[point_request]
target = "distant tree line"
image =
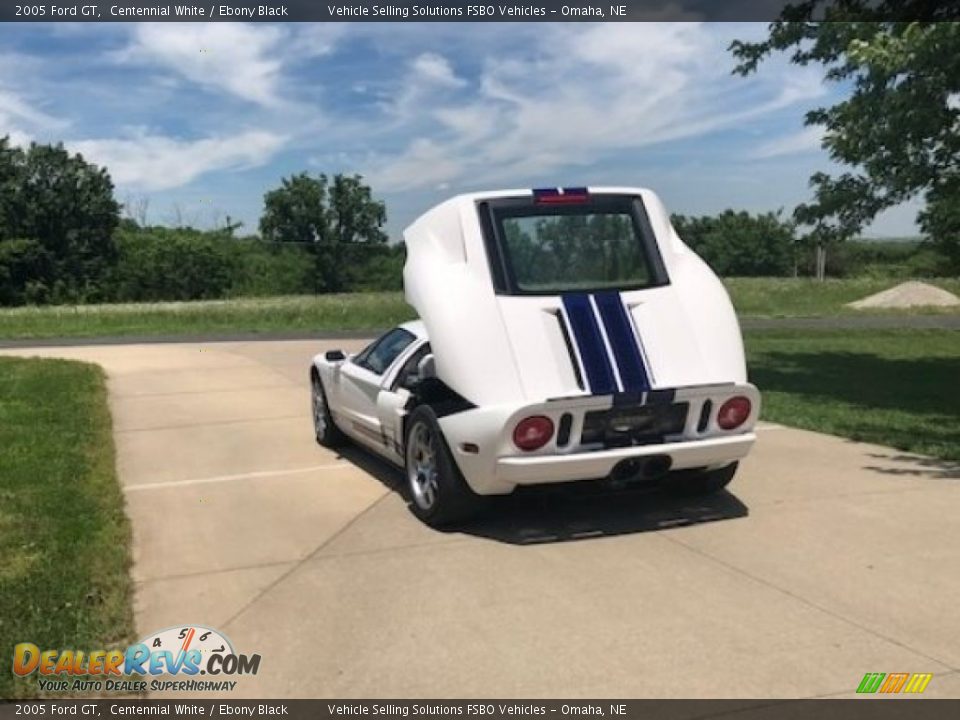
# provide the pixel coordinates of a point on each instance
(63, 240)
(738, 244)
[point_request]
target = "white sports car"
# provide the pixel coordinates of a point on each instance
(565, 334)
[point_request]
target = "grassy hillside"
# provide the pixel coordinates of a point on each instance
(766, 297)
(801, 297)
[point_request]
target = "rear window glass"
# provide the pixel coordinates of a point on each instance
(597, 245)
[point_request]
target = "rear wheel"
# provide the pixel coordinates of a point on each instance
(438, 493)
(325, 430)
(701, 482)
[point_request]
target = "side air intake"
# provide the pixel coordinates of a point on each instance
(570, 351)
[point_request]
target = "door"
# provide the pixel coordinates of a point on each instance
(393, 398)
(361, 379)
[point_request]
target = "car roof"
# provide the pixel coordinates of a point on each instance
(473, 197)
(416, 327)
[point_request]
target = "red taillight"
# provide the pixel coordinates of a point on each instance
(733, 413)
(533, 433)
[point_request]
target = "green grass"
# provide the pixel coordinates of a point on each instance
(898, 387)
(804, 297)
(359, 311)
(64, 538)
(771, 297)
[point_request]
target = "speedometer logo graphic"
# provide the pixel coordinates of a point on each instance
(181, 639)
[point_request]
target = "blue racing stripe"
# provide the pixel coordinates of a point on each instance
(623, 341)
(586, 333)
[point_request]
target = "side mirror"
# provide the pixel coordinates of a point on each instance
(426, 368)
(335, 355)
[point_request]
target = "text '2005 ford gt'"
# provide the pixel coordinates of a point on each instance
(565, 334)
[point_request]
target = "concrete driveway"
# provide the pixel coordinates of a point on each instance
(828, 559)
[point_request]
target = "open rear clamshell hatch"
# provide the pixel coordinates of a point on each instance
(530, 295)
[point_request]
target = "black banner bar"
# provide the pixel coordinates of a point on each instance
(459, 11)
(872, 708)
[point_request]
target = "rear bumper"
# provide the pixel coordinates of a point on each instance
(499, 466)
(542, 469)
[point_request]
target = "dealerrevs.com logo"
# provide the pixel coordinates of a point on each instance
(171, 659)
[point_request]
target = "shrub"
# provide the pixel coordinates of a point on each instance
(159, 263)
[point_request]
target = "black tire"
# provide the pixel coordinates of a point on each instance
(701, 482)
(324, 428)
(438, 493)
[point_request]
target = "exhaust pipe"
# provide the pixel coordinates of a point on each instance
(657, 466)
(625, 471)
(635, 469)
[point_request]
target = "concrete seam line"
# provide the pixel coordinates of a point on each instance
(208, 423)
(452, 542)
(810, 603)
(211, 573)
(137, 395)
(230, 478)
(350, 523)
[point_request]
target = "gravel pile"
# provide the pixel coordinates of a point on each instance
(908, 294)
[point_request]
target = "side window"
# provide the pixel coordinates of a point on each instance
(378, 357)
(361, 357)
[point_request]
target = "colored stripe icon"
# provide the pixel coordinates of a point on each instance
(894, 683)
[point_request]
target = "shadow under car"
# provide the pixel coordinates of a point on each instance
(572, 511)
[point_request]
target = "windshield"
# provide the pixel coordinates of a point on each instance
(381, 353)
(600, 244)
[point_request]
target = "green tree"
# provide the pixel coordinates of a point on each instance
(899, 129)
(332, 218)
(23, 266)
(160, 263)
(380, 268)
(297, 211)
(740, 244)
(66, 206)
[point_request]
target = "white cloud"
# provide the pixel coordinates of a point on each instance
(17, 137)
(312, 40)
(22, 121)
(152, 162)
(428, 80)
(435, 68)
(20, 116)
(805, 141)
(422, 164)
(576, 95)
(242, 60)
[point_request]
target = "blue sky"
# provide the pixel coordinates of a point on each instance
(202, 119)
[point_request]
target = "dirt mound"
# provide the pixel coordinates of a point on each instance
(908, 294)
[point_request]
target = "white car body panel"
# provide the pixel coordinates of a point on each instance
(361, 402)
(673, 347)
(514, 348)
